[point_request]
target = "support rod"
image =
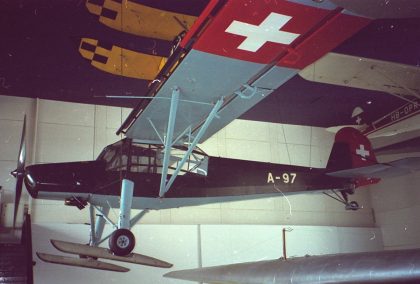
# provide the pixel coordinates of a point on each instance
(168, 139)
(93, 239)
(194, 143)
(104, 215)
(137, 218)
(100, 224)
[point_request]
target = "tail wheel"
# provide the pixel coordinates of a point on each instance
(122, 242)
(352, 205)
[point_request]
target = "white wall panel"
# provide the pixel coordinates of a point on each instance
(64, 143)
(322, 137)
(297, 135)
(247, 130)
(15, 108)
(401, 236)
(251, 150)
(223, 244)
(300, 155)
(232, 244)
(7, 181)
(271, 142)
(396, 202)
(279, 153)
(191, 215)
(210, 147)
(319, 156)
(256, 204)
(277, 132)
(66, 113)
(10, 135)
(113, 117)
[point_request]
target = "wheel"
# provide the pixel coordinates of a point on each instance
(122, 242)
(352, 205)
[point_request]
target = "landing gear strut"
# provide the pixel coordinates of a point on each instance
(122, 241)
(343, 198)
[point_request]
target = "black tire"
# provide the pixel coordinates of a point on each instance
(122, 242)
(352, 205)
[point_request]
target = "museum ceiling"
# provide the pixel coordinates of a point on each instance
(40, 57)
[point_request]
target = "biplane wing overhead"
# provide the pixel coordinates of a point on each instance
(120, 61)
(136, 18)
(229, 61)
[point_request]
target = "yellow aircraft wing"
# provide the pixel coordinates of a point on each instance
(120, 61)
(139, 19)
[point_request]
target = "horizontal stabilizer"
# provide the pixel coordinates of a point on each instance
(412, 164)
(391, 169)
(81, 262)
(98, 252)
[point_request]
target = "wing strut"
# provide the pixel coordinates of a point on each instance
(164, 186)
(168, 140)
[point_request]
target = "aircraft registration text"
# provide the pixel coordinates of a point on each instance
(284, 177)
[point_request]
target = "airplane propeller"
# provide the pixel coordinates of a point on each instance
(20, 171)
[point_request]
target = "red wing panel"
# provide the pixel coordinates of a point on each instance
(329, 35)
(264, 31)
(226, 36)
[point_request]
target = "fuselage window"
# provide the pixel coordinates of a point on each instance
(143, 161)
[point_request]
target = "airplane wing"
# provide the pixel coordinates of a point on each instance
(138, 19)
(328, 268)
(120, 61)
(229, 61)
(397, 79)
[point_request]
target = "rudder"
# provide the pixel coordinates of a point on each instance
(351, 149)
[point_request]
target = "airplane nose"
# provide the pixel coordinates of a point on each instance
(30, 181)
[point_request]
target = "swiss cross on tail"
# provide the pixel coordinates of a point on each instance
(352, 157)
(362, 152)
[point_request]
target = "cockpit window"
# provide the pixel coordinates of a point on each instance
(147, 158)
(115, 157)
(109, 154)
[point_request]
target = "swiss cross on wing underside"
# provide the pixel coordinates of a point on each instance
(268, 31)
(258, 31)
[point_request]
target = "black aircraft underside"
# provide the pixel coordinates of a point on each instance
(225, 177)
(39, 58)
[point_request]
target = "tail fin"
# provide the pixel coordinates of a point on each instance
(351, 149)
(352, 157)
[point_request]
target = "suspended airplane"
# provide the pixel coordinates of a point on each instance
(127, 174)
(225, 64)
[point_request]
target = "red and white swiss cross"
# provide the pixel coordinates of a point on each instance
(257, 31)
(262, 31)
